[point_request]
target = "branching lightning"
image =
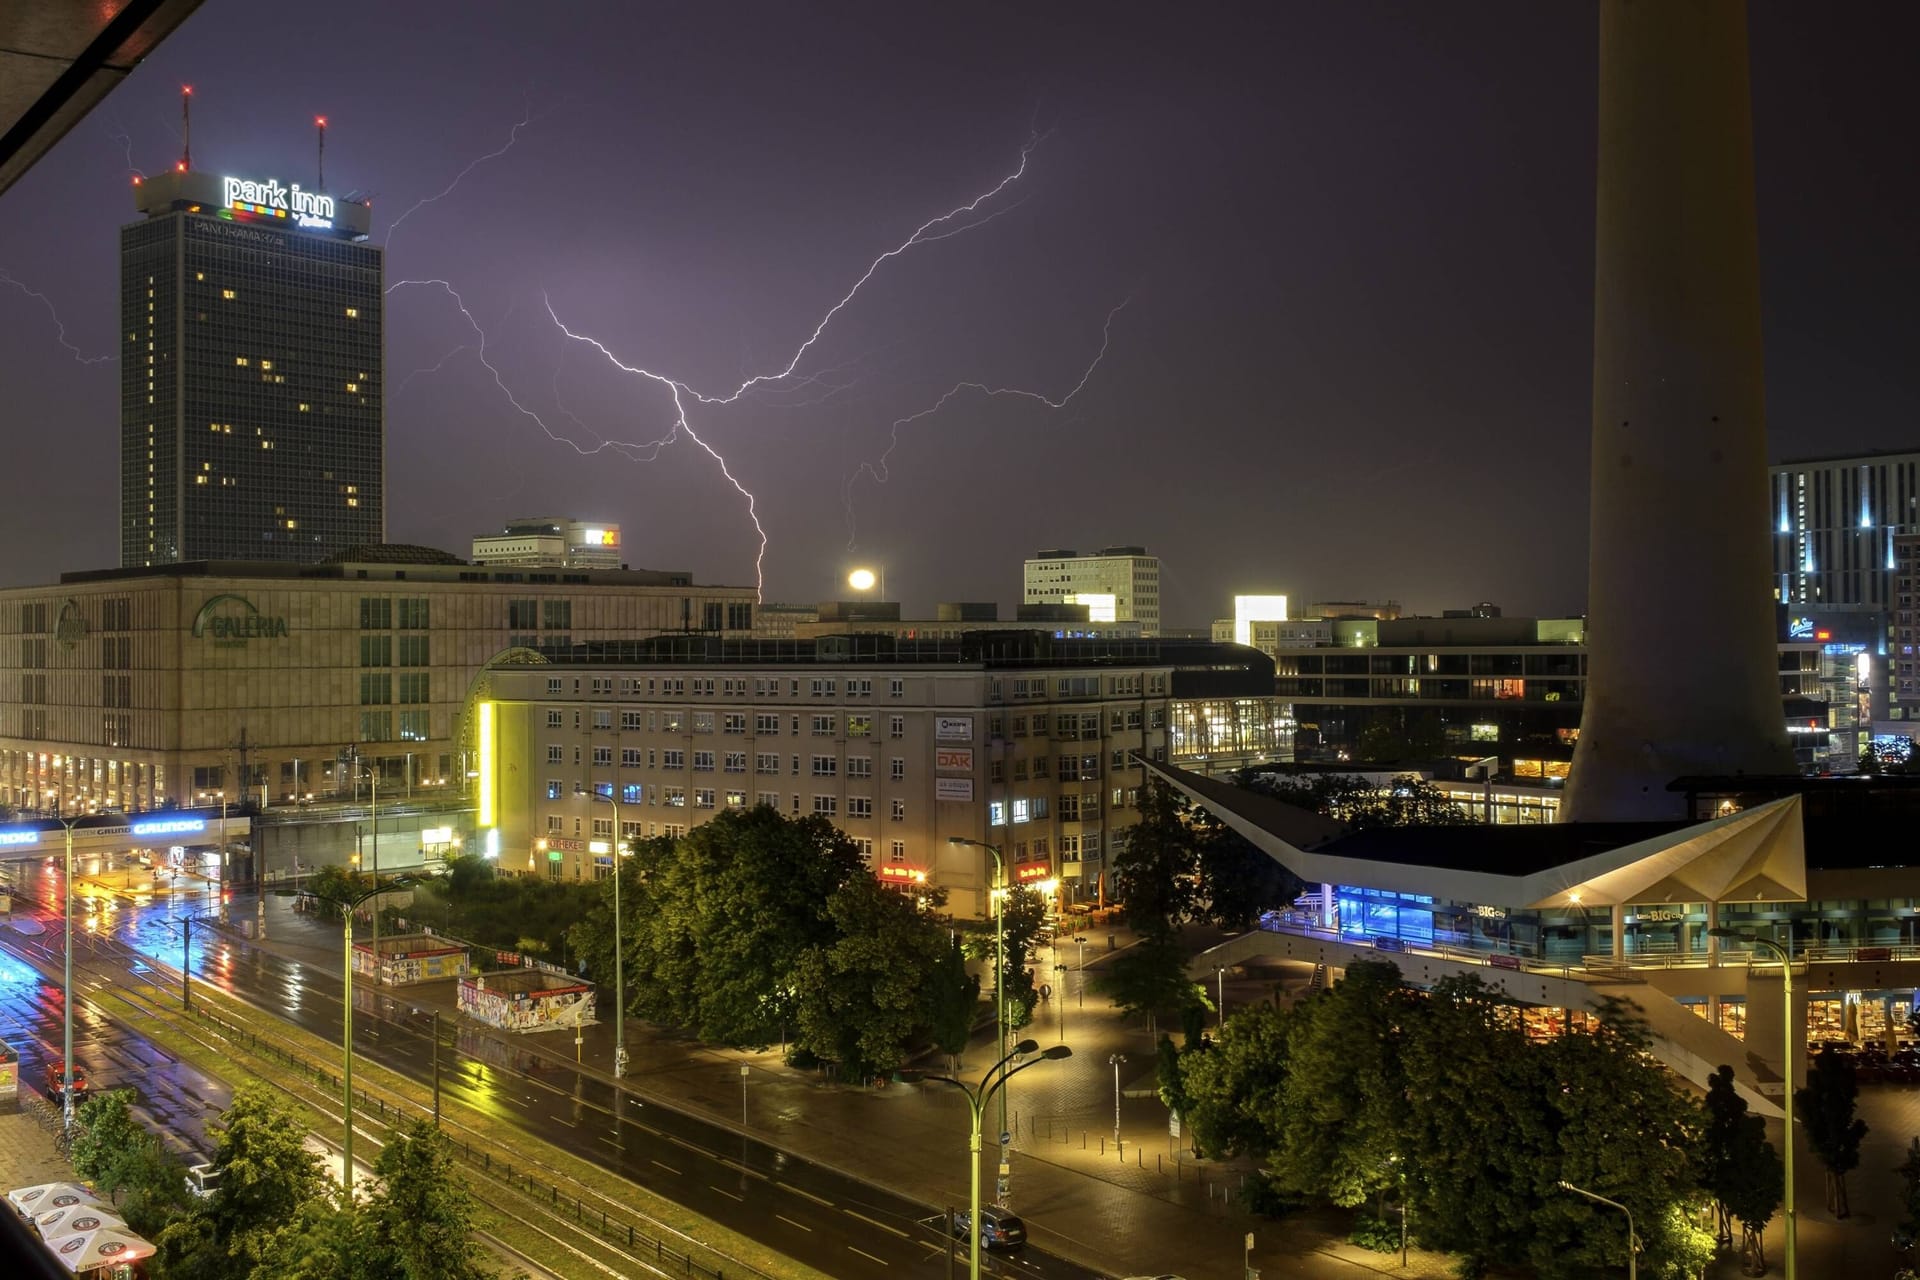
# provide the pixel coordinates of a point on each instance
(58, 323)
(782, 381)
(513, 136)
(877, 469)
(953, 222)
(120, 135)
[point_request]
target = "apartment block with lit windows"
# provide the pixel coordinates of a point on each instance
(1013, 738)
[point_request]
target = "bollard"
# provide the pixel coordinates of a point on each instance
(1103, 1144)
(1140, 1159)
(1083, 1139)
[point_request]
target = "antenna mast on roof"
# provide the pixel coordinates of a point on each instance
(186, 127)
(320, 122)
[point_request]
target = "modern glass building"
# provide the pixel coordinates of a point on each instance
(252, 421)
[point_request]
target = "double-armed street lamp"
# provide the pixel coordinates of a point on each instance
(619, 957)
(1633, 1241)
(999, 895)
(977, 1095)
(1786, 1071)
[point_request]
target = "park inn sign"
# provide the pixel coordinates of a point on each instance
(231, 621)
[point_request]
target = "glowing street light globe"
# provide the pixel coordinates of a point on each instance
(861, 579)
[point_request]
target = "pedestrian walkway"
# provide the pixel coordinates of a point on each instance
(27, 1153)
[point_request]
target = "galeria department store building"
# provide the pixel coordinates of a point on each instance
(185, 684)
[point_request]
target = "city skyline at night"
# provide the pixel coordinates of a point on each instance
(1256, 354)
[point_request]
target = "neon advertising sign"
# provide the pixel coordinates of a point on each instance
(269, 199)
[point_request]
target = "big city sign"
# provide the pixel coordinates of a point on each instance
(271, 200)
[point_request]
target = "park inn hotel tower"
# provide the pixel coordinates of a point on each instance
(252, 422)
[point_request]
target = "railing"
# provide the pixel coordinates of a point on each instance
(1511, 961)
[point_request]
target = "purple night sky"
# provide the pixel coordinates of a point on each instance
(1355, 243)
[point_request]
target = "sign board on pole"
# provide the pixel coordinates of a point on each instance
(1173, 1124)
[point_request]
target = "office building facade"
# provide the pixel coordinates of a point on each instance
(1017, 739)
(252, 388)
(553, 542)
(1117, 584)
(1834, 525)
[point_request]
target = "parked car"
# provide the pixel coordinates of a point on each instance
(56, 1080)
(999, 1228)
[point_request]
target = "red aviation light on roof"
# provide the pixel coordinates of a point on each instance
(321, 121)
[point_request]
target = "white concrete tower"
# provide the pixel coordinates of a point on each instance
(1682, 671)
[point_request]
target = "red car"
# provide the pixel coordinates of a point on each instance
(56, 1080)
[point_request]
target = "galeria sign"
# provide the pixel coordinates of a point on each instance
(309, 208)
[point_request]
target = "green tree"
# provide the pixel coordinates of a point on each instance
(121, 1157)
(1151, 979)
(1826, 1108)
(1345, 1105)
(1154, 875)
(265, 1175)
(860, 998)
(1408, 800)
(1476, 1134)
(953, 1001)
(1025, 914)
(1235, 1090)
(1237, 881)
(325, 1240)
(419, 1219)
(1396, 735)
(1623, 1128)
(106, 1130)
(1908, 1229)
(1169, 1074)
(725, 918)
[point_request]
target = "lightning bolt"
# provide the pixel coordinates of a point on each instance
(429, 369)
(955, 221)
(59, 324)
(513, 136)
(877, 469)
(120, 135)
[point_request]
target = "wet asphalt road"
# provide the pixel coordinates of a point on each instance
(819, 1216)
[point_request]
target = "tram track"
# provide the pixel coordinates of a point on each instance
(379, 1114)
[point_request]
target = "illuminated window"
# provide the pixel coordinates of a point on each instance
(266, 364)
(353, 313)
(290, 524)
(353, 386)
(227, 294)
(241, 361)
(198, 275)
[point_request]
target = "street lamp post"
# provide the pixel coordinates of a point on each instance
(1116, 1060)
(348, 903)
(1633, 1241)
(977, 1096)
(619, 958)
(1786, 1071)
(999, 894)
(66, 990)
(1220, 986)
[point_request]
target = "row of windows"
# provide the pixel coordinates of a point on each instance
(672, 797)
(764, 762)
(732, 722)
(726, 686)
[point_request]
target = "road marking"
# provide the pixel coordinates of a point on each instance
(808, 1194)
(790, 1222)
(669, 1168)
(736, 1165)
(869, 1257)
(874, 1222)
(723, 1191)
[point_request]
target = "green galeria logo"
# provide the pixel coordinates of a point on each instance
(232, 621)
